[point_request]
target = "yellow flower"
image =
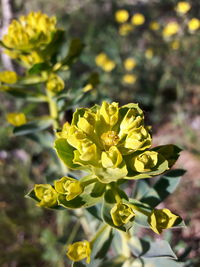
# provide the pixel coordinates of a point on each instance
(182, 7)
(149, 53)
(171, 28)
(121, 15)
(125, 29)
(16, 119)
(129, 78)
(46, 195)
(175, 45)
(79, 251)
(145, 162)
(161, 219)
(138, 19)
(30, 32)
(121, 214)
(30, 59)
(129, 64)
(193, 24)
(9, 77)
(104, 62)
(55, 83)
(154, 26)
(69, 187)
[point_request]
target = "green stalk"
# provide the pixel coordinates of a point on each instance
(99, 232)
(53, 109)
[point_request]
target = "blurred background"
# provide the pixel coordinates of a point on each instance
(145, 51)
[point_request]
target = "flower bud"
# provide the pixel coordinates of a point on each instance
(121, 214)
(161, 219)
(46, 194)
(79, 251)
(69, 187)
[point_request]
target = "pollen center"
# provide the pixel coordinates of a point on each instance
(110, 138)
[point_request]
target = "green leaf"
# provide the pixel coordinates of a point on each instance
(165, 186)
(105, 246)
(145, 249)
(32, 127)
(37, 68)
(117, 261)
(75, 49)
(95, 211)
(169, 152)
(65, 152)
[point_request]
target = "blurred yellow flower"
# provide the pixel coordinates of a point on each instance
(175, 45)
(138, 19)
(183, 7)
(170, 29)
(129, 64)
(129, 78)
(8, 76)
(79, 251)
(149, 53)
(104, 62)
(125, 29)
(121, 15)
(29, 59)
(193, 24)
(30, 32)
(16, 119)
(154, 25)
(55, 83)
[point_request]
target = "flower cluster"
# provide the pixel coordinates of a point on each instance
(112, 144)
(104, 62)
(29, 36)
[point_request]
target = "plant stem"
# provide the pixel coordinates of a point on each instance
(140, 210)
(99, 232)
(53, 109)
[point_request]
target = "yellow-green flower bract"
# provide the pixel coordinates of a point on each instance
(121, 214)
(111, 142)
(46, 195)
(79, 251)
(161, 219)
(69, 187)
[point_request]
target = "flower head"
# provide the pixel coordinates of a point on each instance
(183, 7)
(129, 64)
(30, 32)
(79, 251)
(125, 29)
(154, 26)
(129, 78)
(121, 15)
(16, 119)
(46, 195)
(104, 62)
(55, 83)
(9, 77)
(193, 24)
(69, 187)
(138, 19)
(121, 214)
(171, 28)
(161, 219)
